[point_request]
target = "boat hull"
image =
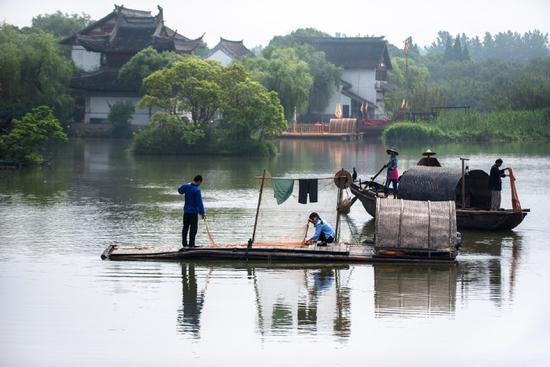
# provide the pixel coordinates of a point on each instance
(488, 220)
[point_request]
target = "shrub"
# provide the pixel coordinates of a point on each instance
(167, 134)
(120, 115)
(413, 131)
(29, 138)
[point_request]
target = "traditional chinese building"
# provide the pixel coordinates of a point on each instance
(226, 51)
(102, 48)
(365, 61)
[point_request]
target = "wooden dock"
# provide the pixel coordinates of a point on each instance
(321, 136)
(285, 252)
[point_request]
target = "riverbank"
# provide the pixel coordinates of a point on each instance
(475, 126)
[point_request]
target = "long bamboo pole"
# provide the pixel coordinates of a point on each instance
(338, 202)
(463, 184)
(258, 209)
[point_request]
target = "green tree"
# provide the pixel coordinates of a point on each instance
(284, 73)
(167, 134)
(190, 85)
(143, 64)
(449, 51)
(30, 137)
(61, 24)
(326, 76)
(120, 114)
(457, 50)
(33, 72)
(414, 86)
(253, 112)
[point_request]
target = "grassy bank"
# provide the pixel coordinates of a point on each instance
(475, 126)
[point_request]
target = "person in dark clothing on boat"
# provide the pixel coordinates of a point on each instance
(323, 231)
(495, 183)
(428, 159)
(193, 207)
(392, 174)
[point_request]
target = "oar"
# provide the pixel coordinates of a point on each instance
(369, 183)
(212, 242)
(376, 175)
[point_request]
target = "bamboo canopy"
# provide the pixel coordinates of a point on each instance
(442, 184)
(415, 225)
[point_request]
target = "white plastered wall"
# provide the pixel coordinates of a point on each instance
(222, 57)
(85, 60)
(98, 107)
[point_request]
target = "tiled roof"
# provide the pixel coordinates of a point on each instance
(129, 31)
(235, 49)
(352, 52)
(103, 80)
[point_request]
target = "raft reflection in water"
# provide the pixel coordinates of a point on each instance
(414, 290)
(316, 299)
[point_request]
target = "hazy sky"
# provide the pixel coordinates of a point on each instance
(256, 21)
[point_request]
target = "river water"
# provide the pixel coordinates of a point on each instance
(62, 306)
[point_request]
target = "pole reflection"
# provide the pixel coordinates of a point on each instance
(305, 299)
(313, 300)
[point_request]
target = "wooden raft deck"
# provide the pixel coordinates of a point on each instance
(294, 252)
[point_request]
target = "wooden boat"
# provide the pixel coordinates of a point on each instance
(440, 184)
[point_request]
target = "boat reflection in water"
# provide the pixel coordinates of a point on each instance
(414, 290)
(303, 299)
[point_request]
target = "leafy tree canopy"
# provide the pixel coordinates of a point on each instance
(143, 64)
(284, 73)
(191, 84)
(325, 76)
(29, 138)
(33, 72)
(61, 24)
(253, 111)
(119, 115)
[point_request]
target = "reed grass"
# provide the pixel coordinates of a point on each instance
(475, 126)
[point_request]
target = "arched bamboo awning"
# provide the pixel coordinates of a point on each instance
(441, 184)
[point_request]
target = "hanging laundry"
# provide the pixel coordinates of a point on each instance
(308, 186)
(282, 189)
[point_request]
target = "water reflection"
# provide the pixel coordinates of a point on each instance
(488, 266)
(414, 290)
(308, 300)
(189, 315)
(316, 300)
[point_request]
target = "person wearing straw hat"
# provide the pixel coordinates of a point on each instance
(428, 159)
(495, 183)
(392, 174)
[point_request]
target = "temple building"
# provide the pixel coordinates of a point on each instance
(226, 51)
(365, 61)
(102, 48)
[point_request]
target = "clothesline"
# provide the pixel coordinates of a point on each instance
(299, 178)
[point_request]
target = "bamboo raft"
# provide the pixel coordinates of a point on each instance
(425, 246)
(282, 252)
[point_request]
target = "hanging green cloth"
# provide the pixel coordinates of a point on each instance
(282, 189)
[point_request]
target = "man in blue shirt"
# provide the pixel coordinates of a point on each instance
(323, 231)
(193, 207)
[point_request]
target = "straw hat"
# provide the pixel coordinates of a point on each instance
(392, 150)
(428, 153)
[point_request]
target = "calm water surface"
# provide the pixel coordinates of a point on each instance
(62, 306)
